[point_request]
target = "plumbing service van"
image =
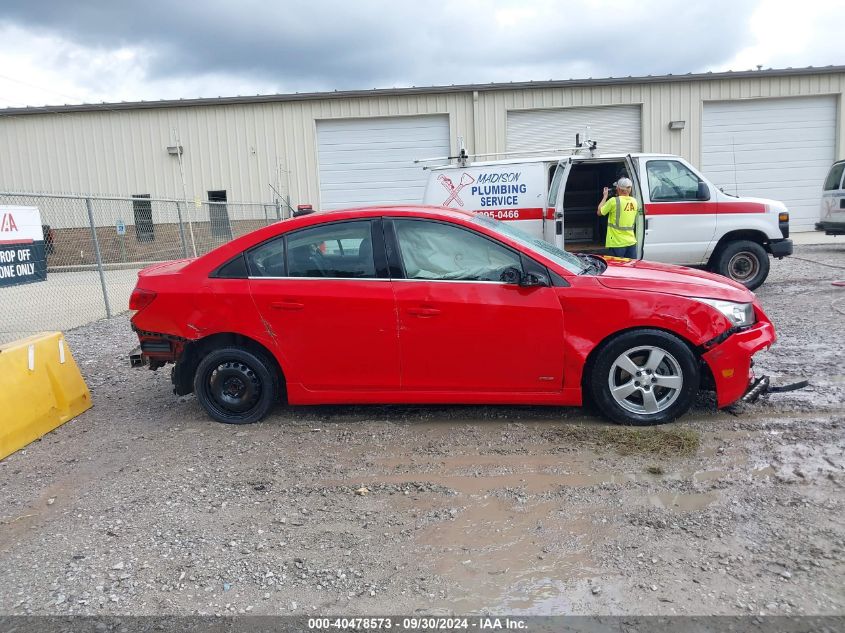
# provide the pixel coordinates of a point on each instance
(684, 218)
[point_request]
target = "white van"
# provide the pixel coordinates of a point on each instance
(685, 219)
(832, 220)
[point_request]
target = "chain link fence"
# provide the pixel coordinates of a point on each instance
(94, 247)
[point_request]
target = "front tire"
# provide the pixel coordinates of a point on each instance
(235, 385)
(743, 261)
(644, 377)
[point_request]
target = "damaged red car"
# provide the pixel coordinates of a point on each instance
(427, 305)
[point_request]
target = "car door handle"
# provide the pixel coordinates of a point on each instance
(423, 312)
(286, 305)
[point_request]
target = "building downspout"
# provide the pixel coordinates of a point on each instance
(474, 149)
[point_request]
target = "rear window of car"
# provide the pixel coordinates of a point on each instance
(340, 250)
(834, 177)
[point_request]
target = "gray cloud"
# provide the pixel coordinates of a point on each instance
(326, 45)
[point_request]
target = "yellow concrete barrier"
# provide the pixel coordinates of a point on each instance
(40, 388)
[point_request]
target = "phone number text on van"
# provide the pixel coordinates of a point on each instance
(500, 214)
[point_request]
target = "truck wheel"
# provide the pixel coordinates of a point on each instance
(644, 377)
(235, 385)
(743, 261)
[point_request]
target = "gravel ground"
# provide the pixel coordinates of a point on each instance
(144, 506)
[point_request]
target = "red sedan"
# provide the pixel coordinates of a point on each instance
(427, 305)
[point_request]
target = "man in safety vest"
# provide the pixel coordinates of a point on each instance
(621, 212)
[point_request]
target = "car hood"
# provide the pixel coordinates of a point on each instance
(775, 206)
(629, 274)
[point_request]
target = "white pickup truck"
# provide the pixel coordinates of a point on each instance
(684, 219)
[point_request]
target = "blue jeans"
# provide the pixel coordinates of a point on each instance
(624, 251)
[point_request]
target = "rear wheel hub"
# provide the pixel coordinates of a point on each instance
(234, 386)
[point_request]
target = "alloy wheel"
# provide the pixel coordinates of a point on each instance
(645, 380)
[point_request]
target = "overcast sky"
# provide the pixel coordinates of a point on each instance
(57, 51)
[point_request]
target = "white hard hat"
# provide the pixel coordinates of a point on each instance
(624, 183)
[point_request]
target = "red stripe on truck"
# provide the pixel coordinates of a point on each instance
(701, 208)
(507, 215)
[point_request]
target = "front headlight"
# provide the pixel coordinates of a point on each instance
(739, 314)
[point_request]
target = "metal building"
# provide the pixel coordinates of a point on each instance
(771, 133)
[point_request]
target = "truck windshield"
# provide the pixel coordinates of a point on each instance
(541, 247)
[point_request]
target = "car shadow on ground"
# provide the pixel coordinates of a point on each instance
(704, 405)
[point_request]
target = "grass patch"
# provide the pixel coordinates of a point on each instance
(627, 440)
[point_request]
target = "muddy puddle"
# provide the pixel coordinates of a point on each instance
(518, 556)
(522, 530)
(688, 502)
(479, 474)
(529, 529)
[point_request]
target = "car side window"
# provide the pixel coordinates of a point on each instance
(267, 259)
(438, 251)
(337, 250)
(671, 181)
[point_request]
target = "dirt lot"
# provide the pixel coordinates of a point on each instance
(143, 506)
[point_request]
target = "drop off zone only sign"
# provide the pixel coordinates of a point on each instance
(22, 254)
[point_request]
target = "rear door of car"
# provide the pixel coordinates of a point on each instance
(325, 294)
(461, 328)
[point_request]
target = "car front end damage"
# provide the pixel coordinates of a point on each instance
(729, 358)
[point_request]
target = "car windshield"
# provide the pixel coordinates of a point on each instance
(572, 263)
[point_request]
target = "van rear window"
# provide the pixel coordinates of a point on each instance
(834, 177)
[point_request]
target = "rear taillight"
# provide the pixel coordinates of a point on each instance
(140, 299)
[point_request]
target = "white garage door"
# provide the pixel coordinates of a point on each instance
(771, 148)
(614, 128)
(371, 161)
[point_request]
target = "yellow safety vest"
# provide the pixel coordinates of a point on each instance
(620, 226)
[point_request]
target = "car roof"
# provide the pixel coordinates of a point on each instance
(248, 240)
(394, 210)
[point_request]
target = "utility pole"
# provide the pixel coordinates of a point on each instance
(184, 189)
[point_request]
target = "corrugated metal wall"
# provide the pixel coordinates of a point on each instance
(661, 103)
(240, 148)
(244, 148)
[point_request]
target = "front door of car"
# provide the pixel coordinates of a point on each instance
(461, 328)
(325, 294)
(680, 214)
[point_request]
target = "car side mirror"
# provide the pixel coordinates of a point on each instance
(533, 280)
(703, 191)
(511, 276)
